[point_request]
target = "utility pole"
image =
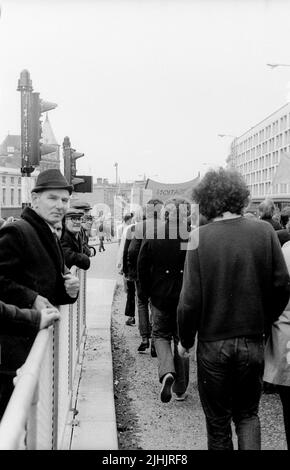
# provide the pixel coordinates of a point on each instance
(31, 146)
(117, 187)
(25, 88)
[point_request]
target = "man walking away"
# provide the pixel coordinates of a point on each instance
(147, 228)
(160, 271)
(235, 285)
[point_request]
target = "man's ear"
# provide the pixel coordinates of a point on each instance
(34, 199)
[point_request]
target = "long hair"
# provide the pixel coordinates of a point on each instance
(221, 191)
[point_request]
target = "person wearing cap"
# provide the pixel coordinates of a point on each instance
(32, 270)
(86, 227)
(71, 241)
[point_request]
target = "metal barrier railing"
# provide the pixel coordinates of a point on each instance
(38, 410)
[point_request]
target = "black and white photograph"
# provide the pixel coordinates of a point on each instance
(144, 228)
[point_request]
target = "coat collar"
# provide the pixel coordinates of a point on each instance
(45, 235)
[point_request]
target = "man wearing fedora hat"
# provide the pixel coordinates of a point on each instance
(32, 269)
(71, 241)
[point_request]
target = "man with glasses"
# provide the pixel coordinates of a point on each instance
(87, 223)
(71, 241)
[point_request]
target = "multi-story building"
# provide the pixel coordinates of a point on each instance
(262, 156)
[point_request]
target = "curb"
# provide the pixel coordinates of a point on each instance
(94, 426)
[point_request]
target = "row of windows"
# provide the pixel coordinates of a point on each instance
(269, 131)
(261, 175)
(263, 189)
(267, 146)
(260, 189)
(13, 179)
(262, 162)
(9, 198)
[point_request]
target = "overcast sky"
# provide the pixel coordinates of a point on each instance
(146, 83)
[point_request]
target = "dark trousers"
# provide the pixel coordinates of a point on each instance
(164, 331)
(130, 303)
(284, 393)
(230, 386)
(6, 389)
(144, 319)
(101, 246)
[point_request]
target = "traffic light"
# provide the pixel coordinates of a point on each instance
(74, 155)
(37, 148)
(82, 183)
(85, 185)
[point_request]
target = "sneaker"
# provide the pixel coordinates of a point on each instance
(167, 382)
(180, 396)
(130, 321)
(144, 345)
(153, 350)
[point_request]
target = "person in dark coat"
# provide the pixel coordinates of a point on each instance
(160, 272)
(21, 322)
(71, 241)
(32, 269)
(235, 284)
(146, 228)
(266, 212)
(87, 223)
(283, 234)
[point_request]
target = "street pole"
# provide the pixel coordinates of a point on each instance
(117, 188)
(25, 87)
(67, 158)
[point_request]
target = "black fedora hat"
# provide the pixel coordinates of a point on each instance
(51, 179)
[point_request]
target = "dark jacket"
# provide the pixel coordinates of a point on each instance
(73, 251)
(275, 224)
(235, 282)
(85, 242)
(16, 321)
(31, 263)
(126, 269)
(144, 229)
(160, 268)
(283, 235)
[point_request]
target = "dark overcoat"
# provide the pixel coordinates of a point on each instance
(73, 251)
(160, 267)
(31, 264)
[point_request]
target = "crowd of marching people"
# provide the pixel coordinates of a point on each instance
(216, 285)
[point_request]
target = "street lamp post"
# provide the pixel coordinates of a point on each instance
(116, 166)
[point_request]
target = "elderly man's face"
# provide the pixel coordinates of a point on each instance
(87, 222)
(51, 204)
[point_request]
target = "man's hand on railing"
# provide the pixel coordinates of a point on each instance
(48, 317)
(71, 284)
(41, 303)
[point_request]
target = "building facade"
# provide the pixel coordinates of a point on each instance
(262, 156)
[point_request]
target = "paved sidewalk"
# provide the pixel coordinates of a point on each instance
(95, 427)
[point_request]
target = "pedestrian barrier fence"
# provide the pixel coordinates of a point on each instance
(37, 415)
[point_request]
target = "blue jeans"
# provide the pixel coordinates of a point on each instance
(230, 385)
(164, 331)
